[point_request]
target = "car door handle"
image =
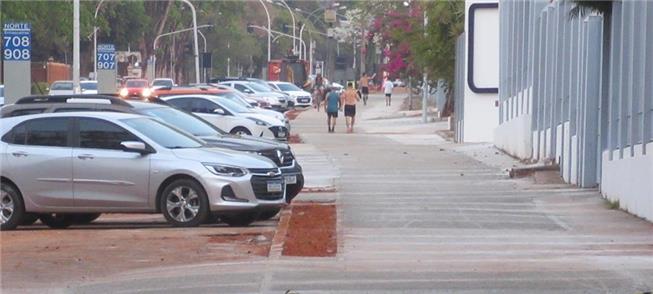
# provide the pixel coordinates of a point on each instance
(19, 154)
(85, 156)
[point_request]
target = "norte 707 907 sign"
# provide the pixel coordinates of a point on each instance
(106, 57)
(17, 42)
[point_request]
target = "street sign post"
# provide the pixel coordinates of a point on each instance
(106, 68)
(17, 55)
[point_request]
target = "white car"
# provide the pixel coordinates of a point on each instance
(163, 83)
(231, 116)
(276, 101)
(239, 98)
(299, 96)
(66, 87)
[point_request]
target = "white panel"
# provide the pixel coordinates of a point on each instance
(486, 58)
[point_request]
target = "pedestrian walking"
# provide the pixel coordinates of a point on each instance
(318, 91)
(331, 106)
(349, 99)
(364, 84)
(387, 89)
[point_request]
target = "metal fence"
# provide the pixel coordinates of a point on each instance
(582, 83)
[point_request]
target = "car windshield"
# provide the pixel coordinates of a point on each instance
(232, 106)
(162, 134)
(288, 87)
(88, 86)
(258, 87)
(136, 84)
(182, 120)
(162, 83)
(231, 96)
(62, 86)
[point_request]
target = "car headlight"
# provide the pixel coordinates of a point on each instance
(147, 92)
(225, 170)
(258, 121)
(124, 92)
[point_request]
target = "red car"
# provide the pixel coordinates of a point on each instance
(136, 87)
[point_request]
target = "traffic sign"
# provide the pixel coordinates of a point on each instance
(17, 42)
(106, 57)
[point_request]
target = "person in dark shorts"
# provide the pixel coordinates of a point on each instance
(331, 107)
(364, 85)
(349, 100)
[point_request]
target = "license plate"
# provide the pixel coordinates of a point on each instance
(275, 187)
(303, 100)
(290, 180)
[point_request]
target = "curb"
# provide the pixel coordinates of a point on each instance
(276, 249)
(521, 172)
(325, 189)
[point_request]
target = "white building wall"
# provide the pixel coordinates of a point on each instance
(629, 180)
(481, 113)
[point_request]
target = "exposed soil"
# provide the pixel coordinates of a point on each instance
(292, 114)
(312, 230)
(295, 139)
(36, 256)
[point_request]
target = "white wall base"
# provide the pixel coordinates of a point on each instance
(629, 180)
(514, 137)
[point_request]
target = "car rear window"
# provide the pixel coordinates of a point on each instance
(26, 111)
(136, 84)
(61, 86)
(88, 86)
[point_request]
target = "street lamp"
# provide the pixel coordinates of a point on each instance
(155, 43)
(267, 13)
(294, 27)
(195, 46)
(95, 29)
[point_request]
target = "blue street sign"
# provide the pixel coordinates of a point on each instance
(17, 42)
(106, 57)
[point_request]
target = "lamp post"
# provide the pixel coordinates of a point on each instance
(267, 13)
(195, 46)
(425, 84)
(294, 26)
(95, 29)
(76, 88)
(156, 40)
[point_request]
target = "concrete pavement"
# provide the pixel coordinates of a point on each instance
(418, 214)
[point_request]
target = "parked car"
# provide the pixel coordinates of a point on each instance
(118, 162)
(300, 97)
(230, 116)
(163, 83)
(398, 83)
(66, 87)
(135, 87)
(276, 101)
(2, 95)
(240, 98)
(280, 153)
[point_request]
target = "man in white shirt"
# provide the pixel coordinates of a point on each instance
(387, 89)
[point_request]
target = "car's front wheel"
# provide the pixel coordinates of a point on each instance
(240, 131)
(184, 203)
(12, 207)
(57, 220)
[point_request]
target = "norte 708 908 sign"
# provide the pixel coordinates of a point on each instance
(17, 42)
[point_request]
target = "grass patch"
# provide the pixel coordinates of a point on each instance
(612, 204)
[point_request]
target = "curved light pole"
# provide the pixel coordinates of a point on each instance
(267, 13)
(95, 29)
(195, 46)
(294, 27)
(277, 32)
(155, 42)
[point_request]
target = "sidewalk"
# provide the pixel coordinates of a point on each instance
(418, 214)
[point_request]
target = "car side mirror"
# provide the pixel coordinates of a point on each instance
(135, 146)
(219, 111)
